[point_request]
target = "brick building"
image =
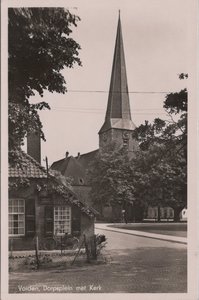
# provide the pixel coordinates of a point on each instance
(40, 205)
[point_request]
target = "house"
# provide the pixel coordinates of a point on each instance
(40, 205)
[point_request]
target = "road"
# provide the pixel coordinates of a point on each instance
(145, 264)
(119, 241)
(134, 265)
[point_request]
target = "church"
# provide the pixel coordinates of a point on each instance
(118, 127)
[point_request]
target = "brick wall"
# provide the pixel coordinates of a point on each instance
(87, 225)
(38, 221)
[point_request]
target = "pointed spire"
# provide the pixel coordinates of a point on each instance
(118, 114)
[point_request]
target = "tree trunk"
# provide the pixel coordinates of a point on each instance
(177, 211)
(158, 213)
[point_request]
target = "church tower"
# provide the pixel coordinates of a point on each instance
(118, 125)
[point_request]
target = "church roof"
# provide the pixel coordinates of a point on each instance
(75, 167)
(118, 114)
(86, 158)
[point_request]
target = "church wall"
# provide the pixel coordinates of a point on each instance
(117, 136)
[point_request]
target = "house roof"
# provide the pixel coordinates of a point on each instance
(29, 168)
(75, 167)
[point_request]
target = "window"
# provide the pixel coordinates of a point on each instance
(16, 217)
(62, 220)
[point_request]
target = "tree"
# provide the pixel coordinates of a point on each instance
(157, 173)
(159, 179)
(108, 176)
(172, 133)
(39, 48)
(163, 159)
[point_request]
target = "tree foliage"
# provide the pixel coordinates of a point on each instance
(40, 47)
(157, 173)
(164, 154)
(108, 176)
(159, 178)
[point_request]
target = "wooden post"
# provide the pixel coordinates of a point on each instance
(94, 247)
(11, 248)
(77, 252)
(87, 250)
(159, 218)
(37, 251)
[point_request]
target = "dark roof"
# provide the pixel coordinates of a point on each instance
(29, 168)
(86, 158)
(61, 165)
(75, 167)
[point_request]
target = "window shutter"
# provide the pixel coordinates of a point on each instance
(30, 217)
(49, 220)
(76, 220)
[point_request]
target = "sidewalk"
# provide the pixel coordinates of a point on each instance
(164, 237)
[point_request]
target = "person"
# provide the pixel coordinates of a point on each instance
(123, 212)
(124, 217)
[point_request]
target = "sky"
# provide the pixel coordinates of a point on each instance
(155, 36)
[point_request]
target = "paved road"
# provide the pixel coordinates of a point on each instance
(117, 241)
(172, 229)
(145, 264)
(134, 265)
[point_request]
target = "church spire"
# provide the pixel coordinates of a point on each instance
(118, 114)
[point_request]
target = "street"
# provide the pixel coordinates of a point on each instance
(134, 265)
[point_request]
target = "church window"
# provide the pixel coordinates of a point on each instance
(16, 217)
(62, 220)
(81, 180)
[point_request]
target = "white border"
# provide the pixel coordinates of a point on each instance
(192, 165)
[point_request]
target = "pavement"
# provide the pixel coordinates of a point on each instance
(107, 227)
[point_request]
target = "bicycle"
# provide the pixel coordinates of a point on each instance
(66, 242)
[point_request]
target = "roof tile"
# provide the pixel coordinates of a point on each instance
(29, 168)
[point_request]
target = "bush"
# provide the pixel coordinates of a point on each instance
(32, 261)
(101, 242)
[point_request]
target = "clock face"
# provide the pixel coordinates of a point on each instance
(125, 134)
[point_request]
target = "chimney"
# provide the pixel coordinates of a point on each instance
(34, 146)
(67, 153)
(78, 155)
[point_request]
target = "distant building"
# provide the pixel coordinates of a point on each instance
(184, 214)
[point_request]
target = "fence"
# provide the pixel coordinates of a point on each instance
(87, 250)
